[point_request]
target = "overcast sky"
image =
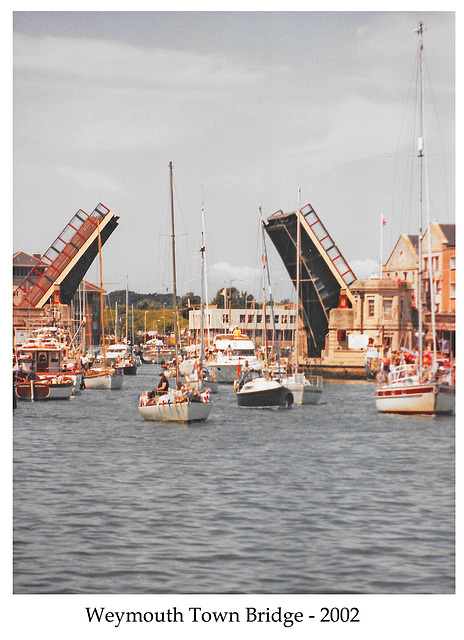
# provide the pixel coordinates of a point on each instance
(249, 107)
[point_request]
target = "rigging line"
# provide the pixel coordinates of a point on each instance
(410, 99)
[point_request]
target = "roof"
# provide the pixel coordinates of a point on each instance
(22, 259)
(449, 231)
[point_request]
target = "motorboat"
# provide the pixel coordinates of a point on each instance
(257, 390)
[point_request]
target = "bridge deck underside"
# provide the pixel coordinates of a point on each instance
(320, 289)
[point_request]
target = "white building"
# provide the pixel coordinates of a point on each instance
(250, 321)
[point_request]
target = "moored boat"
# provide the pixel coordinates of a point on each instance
(45, 387)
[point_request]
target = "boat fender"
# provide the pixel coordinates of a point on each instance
(235, 385)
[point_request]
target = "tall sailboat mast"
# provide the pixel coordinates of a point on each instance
(174, 284)
(421, 159)
(298, 268)
(202, 323)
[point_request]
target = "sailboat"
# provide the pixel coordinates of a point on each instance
(102, 376)
(184, 404)
(418, 387)
(259, 388)
(305, 390)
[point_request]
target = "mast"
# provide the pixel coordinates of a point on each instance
(202, 324)
(127, 310)
(174, 286)
(101, 295)
(264, 290)
(421, 159)
(271, 302)
(298, 267)
(429, 240)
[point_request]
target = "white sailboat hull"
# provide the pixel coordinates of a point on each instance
(425, 398)
(107, 381)
(304, 392)
(168, 410)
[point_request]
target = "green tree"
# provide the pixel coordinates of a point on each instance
(187, 302)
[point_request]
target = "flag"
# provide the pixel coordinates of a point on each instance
(384, 222)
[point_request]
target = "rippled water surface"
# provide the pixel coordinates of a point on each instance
(333, 498)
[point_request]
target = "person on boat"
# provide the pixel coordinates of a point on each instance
(21, 374)
(163, 386)
(31, 376)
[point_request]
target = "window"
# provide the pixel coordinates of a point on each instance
(284, 319)
(453, 262)
(242, 318)
(292, 319)
(452, 290)
(259, 319)
(250, 319)
(370, 307)
(268, 319)
(225, 317)
(277, 319)
(387, 307)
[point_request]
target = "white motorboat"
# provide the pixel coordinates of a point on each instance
(231, 353)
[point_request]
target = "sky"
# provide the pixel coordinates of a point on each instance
(250, 107)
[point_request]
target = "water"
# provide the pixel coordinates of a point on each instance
(332, 498)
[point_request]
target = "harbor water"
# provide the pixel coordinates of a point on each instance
(331, 498)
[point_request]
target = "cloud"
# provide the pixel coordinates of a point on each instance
(230, 272)
(363, 269)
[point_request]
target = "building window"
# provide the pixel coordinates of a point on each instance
(452, 290)
(250, 319)
(453, 262)
(284, 319)
(242, 318)
(225, 317)
(387, 307)
(292, 319)
(277, 318)
(259, 319)
(370, 307)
